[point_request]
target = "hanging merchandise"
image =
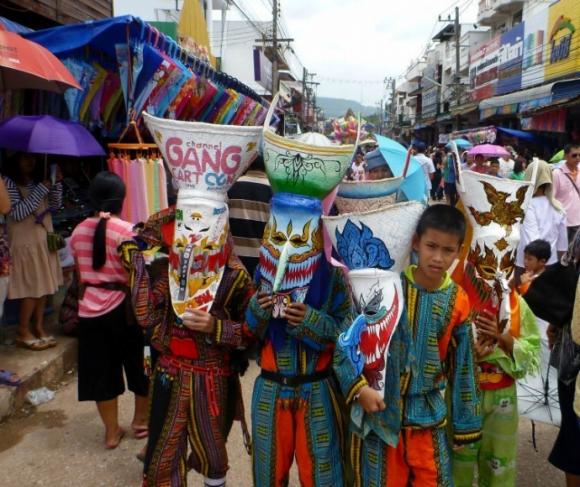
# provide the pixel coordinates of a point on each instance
(143, 172)
(125, 67)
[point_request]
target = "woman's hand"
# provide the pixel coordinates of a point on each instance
(197, 320)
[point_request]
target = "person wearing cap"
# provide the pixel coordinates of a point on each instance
(378, 167)
(426, 163)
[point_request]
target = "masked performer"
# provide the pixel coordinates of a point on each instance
(302, 306)
(199, 303)
(507, 336)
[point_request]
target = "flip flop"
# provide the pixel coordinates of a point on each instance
(34, 344)
(121, 434)
(9, 378)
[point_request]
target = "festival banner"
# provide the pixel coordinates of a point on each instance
(535, 39)
(483, 69)
(563, 56)
(511, 54)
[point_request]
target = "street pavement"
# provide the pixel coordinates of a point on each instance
(60, 444)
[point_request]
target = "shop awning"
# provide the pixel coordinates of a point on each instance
(530, 99)
(464, 109)
(11, 26)
(520, 134)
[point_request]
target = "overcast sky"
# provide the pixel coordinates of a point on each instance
(361, 40)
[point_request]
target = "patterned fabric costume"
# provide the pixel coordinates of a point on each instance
(195, 393)
(295, 407)
(495, 208)
(413, 445)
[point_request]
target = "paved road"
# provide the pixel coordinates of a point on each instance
(60, 445)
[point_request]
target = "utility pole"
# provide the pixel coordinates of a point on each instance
(457, 67)
(304, 81)
(275, 46)
(310, 94)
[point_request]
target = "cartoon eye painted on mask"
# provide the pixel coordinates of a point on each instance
(196, 216)
(487, 271)
(298, 240)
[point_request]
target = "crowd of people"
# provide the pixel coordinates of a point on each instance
(312, 387)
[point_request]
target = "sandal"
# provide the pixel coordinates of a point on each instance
(49, 340)
(9, 378)
(33, 344)
(140, 432)
(120, 435)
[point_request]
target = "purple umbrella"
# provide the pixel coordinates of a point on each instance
(489, 150)
(48, 135)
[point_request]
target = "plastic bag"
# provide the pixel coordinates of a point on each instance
(39, 396)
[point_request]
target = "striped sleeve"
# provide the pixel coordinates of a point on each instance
(55, 196)
(24, 207)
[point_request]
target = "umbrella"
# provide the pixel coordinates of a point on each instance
(461, 144)
(413, 187)
(26, 64)
(538, 395)
(45, 134)
(558, 156)
(489, 150)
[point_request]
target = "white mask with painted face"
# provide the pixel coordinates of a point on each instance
(205, 160)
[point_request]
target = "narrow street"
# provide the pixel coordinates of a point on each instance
(60, 445)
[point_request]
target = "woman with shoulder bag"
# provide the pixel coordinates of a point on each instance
(110, 340)
(36, 267)
(551, 297)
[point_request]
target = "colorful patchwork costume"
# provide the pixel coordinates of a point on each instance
(195, 386)
(423, 346)
(494, 208)
(295, 406)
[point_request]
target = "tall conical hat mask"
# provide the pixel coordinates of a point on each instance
(301, 175)
(205, 160)
(375, 246)
(495, 208)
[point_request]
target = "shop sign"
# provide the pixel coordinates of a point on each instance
(564, 39)
(511, 53)
(534, 47)
(262, 69)
(484, 69)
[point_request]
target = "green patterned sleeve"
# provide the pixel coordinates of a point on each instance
(526, 353)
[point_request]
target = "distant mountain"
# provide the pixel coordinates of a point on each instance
(337, 107)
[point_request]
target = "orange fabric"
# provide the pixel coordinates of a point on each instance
(524, 288)
(268, 359)
(291, 439)
(413, 461)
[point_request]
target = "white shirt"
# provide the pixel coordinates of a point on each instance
(543, 222)
(506, 166)
(428, 168)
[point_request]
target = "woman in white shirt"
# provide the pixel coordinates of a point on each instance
(545, 219)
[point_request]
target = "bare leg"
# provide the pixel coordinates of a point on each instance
(572, 480)
(27, 307)
(38, 317)
(140, 419)
(109, 415)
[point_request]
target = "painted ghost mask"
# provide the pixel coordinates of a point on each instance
(375, 246)
(495, 208)
(291, 248)
(205, 160)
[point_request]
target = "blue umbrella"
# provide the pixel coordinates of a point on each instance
(413, 187)
(461, 144)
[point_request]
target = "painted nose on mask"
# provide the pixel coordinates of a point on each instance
(281, 269)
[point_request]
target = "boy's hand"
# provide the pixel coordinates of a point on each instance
(370, 400)
(527, 277)
(487, 324)
(197, 320)
(295, 313)
(552, 334)
(265, 301)
(483, 347)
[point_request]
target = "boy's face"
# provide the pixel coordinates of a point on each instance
(381, 172)
(494, 169)
(533, 264)
(436, 251)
